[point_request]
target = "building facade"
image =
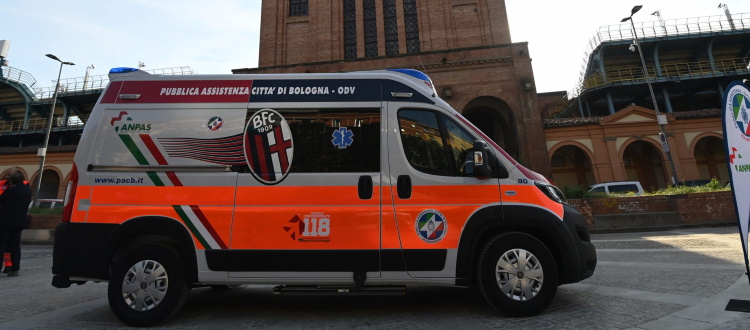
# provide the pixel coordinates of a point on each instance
(605, 131)
(463, 45)
(608, 130)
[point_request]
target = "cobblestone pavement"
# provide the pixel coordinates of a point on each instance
(680, 279)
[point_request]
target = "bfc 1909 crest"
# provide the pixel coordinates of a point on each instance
(268, 146)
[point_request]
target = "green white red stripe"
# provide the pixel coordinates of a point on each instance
(191, 215)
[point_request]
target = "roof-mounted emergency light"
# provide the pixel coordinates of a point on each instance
(122, 70)
(419, 75)
(116, 72)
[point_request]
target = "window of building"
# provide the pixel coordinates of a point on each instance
(298, 8)
(350, 29)
(412, 26)
(391, 27)
(329, 140)
(371, 29)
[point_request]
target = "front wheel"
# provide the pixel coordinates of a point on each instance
(517, 274)
(147, 286)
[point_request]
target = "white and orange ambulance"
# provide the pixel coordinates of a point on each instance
(337, 183)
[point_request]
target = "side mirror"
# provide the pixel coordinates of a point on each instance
(482, 167)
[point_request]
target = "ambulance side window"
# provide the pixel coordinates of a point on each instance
(422, 141)
(334, 140)
(461, 145)
(433, 143)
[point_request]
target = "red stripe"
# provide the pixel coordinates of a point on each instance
(204, 221)
(151, 146)
(110, 95)
(153, 149)
(261, 153)
(186, 91)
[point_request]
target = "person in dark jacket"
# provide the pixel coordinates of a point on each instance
(14, 207)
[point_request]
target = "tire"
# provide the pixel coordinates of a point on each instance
(140, 300)
(499, 272)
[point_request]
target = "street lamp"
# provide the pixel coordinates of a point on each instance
(42, 153)
(660, 119)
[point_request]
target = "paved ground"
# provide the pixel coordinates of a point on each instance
(680, 279)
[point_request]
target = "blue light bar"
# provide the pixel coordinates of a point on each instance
(122, 70)
(413, 73)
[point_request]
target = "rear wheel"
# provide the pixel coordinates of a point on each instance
(517, 274)
(147, 286)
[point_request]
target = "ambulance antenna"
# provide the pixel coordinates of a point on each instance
(424, 69)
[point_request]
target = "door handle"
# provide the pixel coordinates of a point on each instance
(403, 186)
(364, 187)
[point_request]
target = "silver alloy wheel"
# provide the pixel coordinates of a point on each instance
(145, 285)
(519, 275)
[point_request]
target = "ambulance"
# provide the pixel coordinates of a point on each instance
(340, 183)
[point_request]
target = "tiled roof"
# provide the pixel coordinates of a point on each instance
(563, 122)
(706, 113)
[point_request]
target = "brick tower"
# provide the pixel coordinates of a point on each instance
(463, 45)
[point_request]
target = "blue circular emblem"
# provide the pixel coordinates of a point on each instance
(431, 226)
(738, 105)
(215, 123)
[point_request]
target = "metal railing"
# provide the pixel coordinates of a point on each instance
(672, 71)
(681, 27)
(82, 84)
(20, 76)
(75, 85)
(668, 72)
(40, 124)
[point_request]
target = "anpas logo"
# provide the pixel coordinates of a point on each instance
(734, 158)
(738, 104)
(123, 124)
(314, 227)
(431, 226)
(268, 146)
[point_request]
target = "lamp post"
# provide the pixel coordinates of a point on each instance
(660, 119)
(42, 153)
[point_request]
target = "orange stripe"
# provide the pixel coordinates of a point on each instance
(132, 195)
(264, 228)
(455, 216)
(389, 227)
(82, 192)
(529, 194)
(322, 195)
(471, 194)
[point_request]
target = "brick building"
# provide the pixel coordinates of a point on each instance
(463, 45)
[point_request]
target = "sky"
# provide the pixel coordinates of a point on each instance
(216, 36)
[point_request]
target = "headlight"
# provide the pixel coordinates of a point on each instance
(551, 191)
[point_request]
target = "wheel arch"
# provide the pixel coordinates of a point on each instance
(152, 230)
(530, 219)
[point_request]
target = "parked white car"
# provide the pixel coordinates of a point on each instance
(618, 187)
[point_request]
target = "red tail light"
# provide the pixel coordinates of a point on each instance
(70, 194)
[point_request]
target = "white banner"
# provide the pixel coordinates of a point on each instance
(736, 122)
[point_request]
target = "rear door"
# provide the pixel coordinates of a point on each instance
(433, 186)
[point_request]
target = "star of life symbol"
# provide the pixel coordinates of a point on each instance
(431, 226)
(342, 138)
